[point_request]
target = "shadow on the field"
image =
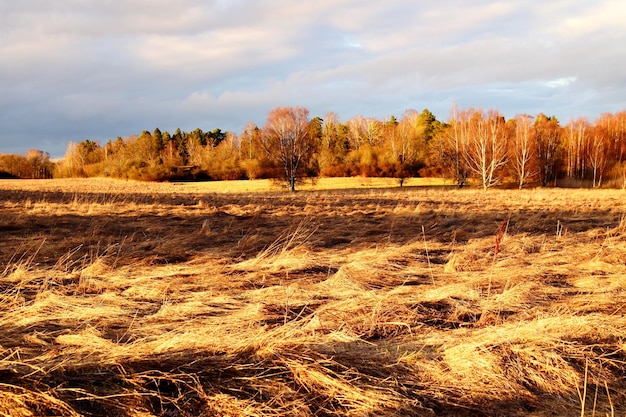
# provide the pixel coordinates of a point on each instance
(208, 224)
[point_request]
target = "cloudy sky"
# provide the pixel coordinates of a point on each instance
(97, 69)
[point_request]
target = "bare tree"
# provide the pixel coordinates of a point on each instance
(577, 140)
(248, 141)
(522, 149)
(194, 150)
(486, 146)
(364, 131)
(449, 146)
(457, 148)
(598, 153)
(285, 139)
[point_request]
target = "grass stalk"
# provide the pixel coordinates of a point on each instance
(430, 269)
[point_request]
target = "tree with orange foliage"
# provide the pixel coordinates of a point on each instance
(549, 148)
(614, 127)
(37, 164)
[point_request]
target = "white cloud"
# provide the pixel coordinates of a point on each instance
(561, 82)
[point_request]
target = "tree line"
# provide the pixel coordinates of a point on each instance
(34, 164)
(472, 146)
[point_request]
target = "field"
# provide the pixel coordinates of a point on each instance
(132, 299)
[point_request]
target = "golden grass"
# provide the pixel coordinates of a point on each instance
(134, 299)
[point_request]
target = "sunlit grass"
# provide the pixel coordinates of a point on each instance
(240, 186)
(318, 184)
(143, 299)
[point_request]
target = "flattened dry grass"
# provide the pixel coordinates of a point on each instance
(118, 298)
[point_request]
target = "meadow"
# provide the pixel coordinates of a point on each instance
(122, 298)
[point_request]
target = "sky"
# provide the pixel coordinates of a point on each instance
(72, 70)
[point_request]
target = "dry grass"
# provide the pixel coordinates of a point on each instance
(132, 299)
